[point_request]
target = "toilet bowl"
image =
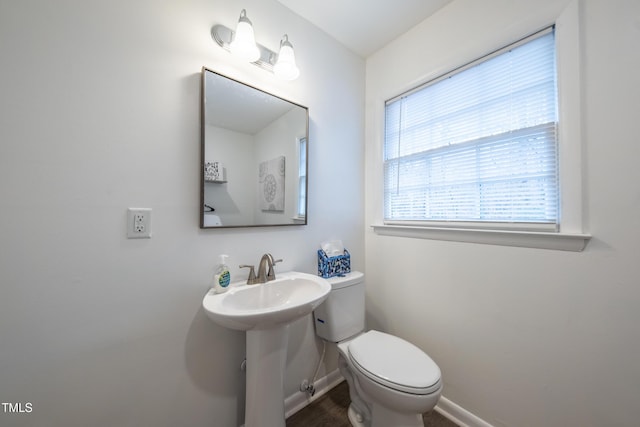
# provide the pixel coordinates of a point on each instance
(391, 381)
(395, 380)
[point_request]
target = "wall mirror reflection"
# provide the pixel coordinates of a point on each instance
(254, 156)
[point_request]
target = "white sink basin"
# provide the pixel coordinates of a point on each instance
(278, 302)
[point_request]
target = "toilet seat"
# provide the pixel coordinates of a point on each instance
(395, 363)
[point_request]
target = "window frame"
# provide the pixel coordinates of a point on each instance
(477, 143)
(569, 235)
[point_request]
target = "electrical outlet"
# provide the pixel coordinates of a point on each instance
(139, 223)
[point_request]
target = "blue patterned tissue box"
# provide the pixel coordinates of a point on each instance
(333, 266)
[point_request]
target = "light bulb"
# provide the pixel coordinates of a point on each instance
(285, 67)
(244, 41)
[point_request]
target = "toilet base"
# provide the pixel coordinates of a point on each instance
(383, 417)
(354, 418)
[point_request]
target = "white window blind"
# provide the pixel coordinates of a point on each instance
(478, 145)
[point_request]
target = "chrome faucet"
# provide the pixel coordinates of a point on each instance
(265, 270)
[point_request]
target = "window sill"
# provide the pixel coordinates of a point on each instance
(299, 219)
(524, 239)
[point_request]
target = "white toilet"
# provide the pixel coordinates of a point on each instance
(391, 381)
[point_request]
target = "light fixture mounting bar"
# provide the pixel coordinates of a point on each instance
(223, 37)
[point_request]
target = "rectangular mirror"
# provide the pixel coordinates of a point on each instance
(253, 156)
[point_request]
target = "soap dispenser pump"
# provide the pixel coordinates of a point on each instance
(222, 277)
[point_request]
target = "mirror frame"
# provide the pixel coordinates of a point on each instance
(203, 161)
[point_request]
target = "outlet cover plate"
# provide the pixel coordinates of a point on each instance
(139, 223)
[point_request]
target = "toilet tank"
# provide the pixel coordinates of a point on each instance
(341, 315)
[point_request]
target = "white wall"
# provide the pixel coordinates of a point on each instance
(234, 201)
(524, 337)
(99, 112)
(280, 138)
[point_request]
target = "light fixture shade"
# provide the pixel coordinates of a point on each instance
(285, 67)
(244, 41)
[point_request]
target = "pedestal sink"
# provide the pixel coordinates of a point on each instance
(265, 312)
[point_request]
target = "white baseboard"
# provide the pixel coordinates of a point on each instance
(300, 399)
(458, 414)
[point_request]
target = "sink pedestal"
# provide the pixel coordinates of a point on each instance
(266, 359)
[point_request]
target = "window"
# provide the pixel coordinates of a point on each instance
(478, 147)
(302, 178)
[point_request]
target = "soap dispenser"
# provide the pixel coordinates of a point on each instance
(222, 277)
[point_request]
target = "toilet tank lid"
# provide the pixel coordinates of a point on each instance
(348, 279)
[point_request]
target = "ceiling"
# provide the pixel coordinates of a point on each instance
(238, 107)
(364, 26)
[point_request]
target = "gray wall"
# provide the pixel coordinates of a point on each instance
(100, 111)
(525, 337)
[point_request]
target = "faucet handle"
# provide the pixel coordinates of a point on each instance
(251, 280)
(271, 275)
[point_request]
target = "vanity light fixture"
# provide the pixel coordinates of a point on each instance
(242, 43)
